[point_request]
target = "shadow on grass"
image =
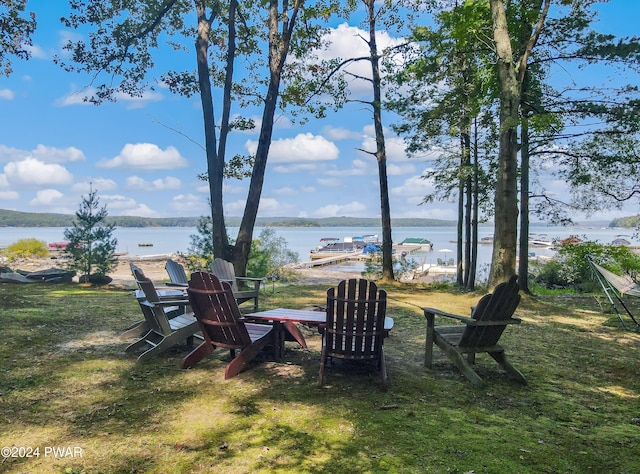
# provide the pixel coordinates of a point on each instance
(576, 415)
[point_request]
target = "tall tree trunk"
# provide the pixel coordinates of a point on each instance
(503, 260)
(471, 281)
(466, 143)
(523, 265)
(381, 153)
(510, 79)
(215, 162)
(279, 43)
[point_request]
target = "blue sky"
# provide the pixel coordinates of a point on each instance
(142, 154)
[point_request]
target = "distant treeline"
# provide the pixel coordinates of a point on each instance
(632, 221)
(33, 219)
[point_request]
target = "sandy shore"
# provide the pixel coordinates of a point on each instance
(154, 269)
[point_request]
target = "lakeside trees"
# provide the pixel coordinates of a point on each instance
(16, 28)
(516, 27)
(124, 36)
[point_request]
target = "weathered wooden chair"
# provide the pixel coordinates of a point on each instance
(162, 329)
(355, 325)
(222, 325)
(163, 293)
(176, 272)
(479, 334)
(244, 288)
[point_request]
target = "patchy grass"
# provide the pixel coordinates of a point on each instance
(65, 382)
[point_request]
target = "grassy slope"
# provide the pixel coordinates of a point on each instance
(65, 381)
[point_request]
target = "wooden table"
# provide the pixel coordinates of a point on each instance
(284, 320)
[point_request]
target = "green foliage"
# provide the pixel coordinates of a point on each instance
(91, 245)
(200, 252)
(26, 248)
(571, 269)
(373, 266)
(270, 255)
(15, 33)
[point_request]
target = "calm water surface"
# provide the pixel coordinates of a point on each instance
(166, 240)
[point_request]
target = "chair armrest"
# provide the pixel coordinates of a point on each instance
(180, 285)
(256, 281)
(249, 279)
(161, 303)
(431, 312)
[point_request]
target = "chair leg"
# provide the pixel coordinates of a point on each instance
(514, 373)
(323, 360)
(135, 330)
(383, 371)
(197, 355)
(240, 362)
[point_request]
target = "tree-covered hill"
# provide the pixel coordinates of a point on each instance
(31, 219)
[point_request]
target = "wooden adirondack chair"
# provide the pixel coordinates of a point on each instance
(162, 329)
(355, 325)
(222, 325)
(244, 288)
(479, 334)
(176, 272)
(162, 293)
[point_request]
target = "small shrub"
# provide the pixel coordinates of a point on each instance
(27, 248)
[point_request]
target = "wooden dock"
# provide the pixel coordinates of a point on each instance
(331, 260)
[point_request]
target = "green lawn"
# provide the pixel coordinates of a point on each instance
(65, 383)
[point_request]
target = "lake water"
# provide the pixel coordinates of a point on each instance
(167, 240)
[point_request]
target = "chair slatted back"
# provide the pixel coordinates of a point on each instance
(176, 272)
(152, 312)
(498, 306)
(355, 320)
(224, 271)
(217, 312)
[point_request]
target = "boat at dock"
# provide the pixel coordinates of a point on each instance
(332, 246)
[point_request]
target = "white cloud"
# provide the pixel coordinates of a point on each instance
(36, 51)
(46, 154)
(50, 154)
(330, 182)
(414, 189)
(190, 203)
(235, 208)
(347, 42)
(335, 210)
(161, 184)
(46, 197)
(358, 168)
(36, 172)
(290, 191)
(335, 133)
(4, 182)
(6, 94)
(399, 170)
(9, 195)
(120, 205)
(96, 184)
(395, 146)
(304, 147)
(145, 156)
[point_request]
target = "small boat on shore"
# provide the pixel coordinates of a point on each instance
(58, 245)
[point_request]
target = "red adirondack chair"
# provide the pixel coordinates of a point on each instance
(222, 325)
